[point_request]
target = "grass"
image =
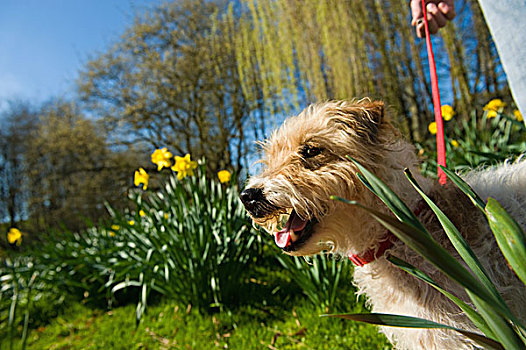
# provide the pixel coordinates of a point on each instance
(166, 326)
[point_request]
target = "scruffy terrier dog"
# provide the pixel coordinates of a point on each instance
(305, 163)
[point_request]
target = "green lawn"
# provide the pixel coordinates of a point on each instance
(171, 327)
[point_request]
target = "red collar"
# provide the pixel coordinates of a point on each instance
(388, 241)
(371, 254)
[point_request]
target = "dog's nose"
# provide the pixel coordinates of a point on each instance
(255, 203)
(251, 196)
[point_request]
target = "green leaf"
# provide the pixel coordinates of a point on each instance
(502, 328)
(125, 284)
(488, 155)
(460, 244)
(397, 206)
(509, 235)
(414, 322)
(428, 248)
(464, 187)
(470, 312)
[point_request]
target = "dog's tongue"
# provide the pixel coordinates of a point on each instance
(295, 224)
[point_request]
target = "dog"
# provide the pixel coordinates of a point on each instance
(305, 162)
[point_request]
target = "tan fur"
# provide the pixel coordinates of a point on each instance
(358, 129)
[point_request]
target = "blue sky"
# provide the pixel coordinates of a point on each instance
(43, 43)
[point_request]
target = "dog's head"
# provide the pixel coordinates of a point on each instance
(305, 162)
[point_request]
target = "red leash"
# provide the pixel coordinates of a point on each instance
(441, 147)
(371, 254)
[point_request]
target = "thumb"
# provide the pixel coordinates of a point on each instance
(416, 11)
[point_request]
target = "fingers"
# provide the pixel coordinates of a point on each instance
(420, 28)
(448, 9)
(439, 12)
(436, 16)
(416, 11)
(431, 23)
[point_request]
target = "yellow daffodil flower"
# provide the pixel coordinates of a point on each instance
(447, 112)
(454, 143)
(14, 236)
(518, 115)
(112, 234)
(184, 166)
(432, 128)
(162, 158)
(115, 227)
(491, 114)
(131, 222)
(142, 213)
(494, 105)
(224, 176)
(166, 216)
(141, 177)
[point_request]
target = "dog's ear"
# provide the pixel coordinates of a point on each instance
(363, 119)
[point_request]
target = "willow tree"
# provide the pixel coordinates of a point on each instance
(311, 50)
(172, 81)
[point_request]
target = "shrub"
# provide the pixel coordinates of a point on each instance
(489, 139)
(189, 241)
(27, 296)
(502, 329)
(325, 280)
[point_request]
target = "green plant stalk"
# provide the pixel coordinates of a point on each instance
(460, 244)
(464, 187)
(499, 326)
(516, 252)
(319, 280)
(502, 329)
(12, 308)
(414, 322)
(478, 320)
(27, 311)
(432, 251)
(397, 206)
(509, 235)
(383, 191)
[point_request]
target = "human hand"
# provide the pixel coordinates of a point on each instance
(438, 13)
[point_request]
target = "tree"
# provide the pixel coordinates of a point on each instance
(172, 81)
(18, 122)
(71, 169)
(304, 51)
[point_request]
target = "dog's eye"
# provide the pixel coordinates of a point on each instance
(309, 151)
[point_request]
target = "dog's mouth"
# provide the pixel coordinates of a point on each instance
(295, 232)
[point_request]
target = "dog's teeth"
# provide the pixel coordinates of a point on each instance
(293, 235)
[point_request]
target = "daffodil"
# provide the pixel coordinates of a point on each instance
(141, 177)
(112, 234)
(131, 222)
(115, 227)
(447, 112)
(184, 166)
(224, 176)
(162, 158)
(494, 105)
(14, 236)
(166, 216)
(454, 143)
(518, 115)
(142, 213)
(491, 114)
(432, 128)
